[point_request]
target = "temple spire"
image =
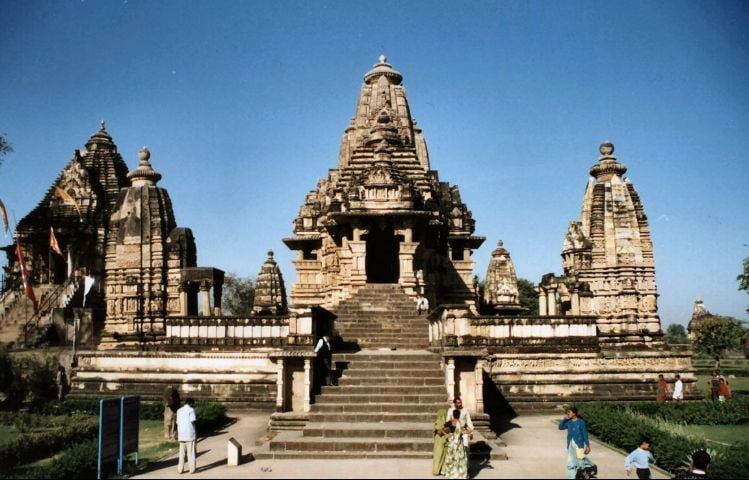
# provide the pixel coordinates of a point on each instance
(144, 174)
(607, 165)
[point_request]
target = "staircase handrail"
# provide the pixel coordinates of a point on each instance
(51, 300)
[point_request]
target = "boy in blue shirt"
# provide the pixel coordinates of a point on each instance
(641, 459)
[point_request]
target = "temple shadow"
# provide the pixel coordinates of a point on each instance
(498, 408)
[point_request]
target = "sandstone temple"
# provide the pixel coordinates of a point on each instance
(379, 231)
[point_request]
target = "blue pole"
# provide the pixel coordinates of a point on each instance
(98, 460)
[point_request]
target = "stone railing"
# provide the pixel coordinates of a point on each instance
(258, 331)
(454, 327)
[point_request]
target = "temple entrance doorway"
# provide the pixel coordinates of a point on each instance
(383, 247)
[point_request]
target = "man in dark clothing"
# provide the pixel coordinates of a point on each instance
(714, 384)
(171, 405)
(324, 360)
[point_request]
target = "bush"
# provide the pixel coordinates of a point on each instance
(79, 461)
(70, 406)
(210, 416)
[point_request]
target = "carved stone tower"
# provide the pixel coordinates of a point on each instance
(609, 250)
(270, 292)
(501, 288)
(383, 216)
(143, 262)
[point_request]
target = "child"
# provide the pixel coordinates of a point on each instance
(724, 391)
(640, 458)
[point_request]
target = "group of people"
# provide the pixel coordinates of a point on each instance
(638, 461)
(452, 431)
(179, 424)
(719, 389)
(662, 393)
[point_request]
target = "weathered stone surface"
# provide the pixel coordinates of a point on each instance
(270, 291)
(501, 287)
(383, 216)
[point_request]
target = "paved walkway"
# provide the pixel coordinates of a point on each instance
(535, 448)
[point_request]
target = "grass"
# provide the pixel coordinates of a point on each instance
(723, 434)
(152, 445)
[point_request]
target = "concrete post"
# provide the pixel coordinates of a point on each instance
(183, 300)
(542, 302)
(575, 303)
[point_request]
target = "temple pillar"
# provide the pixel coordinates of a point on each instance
(358, 260)
(217, 293)
(575, 303)
(551, 298)
(541, 302)
(406, 257)
(280, 404)
(183, 299)
(307, 383)
(450, 379)
(205, 291)
(479, 389)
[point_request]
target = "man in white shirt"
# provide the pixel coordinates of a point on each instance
(186, 435)
(678, 394)
(465, 418)
(422, 304)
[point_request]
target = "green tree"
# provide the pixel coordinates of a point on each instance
(714, 334)
(5, 147)
(743, 279)
(528, 296)
(676, 334)
(238, 295)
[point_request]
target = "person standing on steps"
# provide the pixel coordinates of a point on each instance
(465, 420)
(678, 394)
(422, 304)
(661, 390)
(186, 435)
(324, 360)
(62, 382)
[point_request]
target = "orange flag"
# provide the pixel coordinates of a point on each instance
(67, 199)
(53, 242)
(28, 291)
(5, 217)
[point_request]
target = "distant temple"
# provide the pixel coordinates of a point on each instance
(378, 232)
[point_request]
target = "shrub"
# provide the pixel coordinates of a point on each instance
(79, 461)
(700, 413)
(210, 416)
(34, 446)
(70, 406)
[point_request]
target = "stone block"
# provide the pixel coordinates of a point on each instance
(233, 452)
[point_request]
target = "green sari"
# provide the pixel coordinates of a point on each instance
(439, 453)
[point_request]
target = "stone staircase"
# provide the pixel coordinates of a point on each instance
(382, 316)
(388, 393)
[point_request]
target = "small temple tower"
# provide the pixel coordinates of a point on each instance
(699, 312)
(145, 256)
(270, 292)
(383, 215)
(501, 288)
(609, 252)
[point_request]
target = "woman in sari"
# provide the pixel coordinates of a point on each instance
(456, 459)
(661, 391)
(440, 444)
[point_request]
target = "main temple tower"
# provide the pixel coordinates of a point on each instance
(383, 216)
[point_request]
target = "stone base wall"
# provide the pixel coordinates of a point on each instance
(247, 378)
(526, 380)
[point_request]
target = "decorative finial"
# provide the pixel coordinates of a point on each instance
(270, 254)
(144, 155)
(102, 126)
(606, 148)
(383, 59)
(500, 243)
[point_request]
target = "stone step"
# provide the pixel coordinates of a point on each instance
(392, 373)
(363, 444)
(369, 430)
(386, 408)
(389, 363)
(383, 390)
(374, 355)
(356, 418)
(392, 381)
(330, 397)
(393, 345)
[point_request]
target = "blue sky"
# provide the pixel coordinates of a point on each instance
(243, 105)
